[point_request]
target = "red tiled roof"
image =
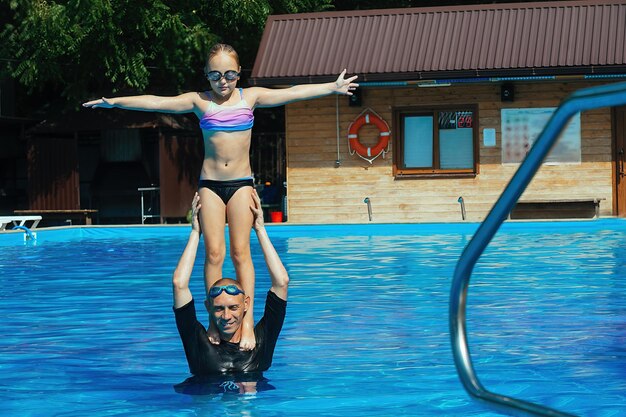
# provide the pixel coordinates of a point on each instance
(561, 37)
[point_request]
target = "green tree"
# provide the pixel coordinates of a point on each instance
(75, 49)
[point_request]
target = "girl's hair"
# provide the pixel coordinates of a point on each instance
(222, 47)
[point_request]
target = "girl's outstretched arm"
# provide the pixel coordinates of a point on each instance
(183, 103)
(269, 97)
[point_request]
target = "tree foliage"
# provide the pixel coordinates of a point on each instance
(85, 48)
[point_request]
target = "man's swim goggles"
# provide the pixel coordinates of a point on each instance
(230, 290)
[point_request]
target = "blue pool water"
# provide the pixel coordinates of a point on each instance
(87, 325)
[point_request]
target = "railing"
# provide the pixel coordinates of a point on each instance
(462, 203)
(28, 234)
(369, 207)
(585, 99)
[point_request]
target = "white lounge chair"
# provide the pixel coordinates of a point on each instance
(19, 221)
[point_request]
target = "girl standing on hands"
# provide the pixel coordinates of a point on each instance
(225, 188)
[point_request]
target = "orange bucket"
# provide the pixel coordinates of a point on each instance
(276, 216)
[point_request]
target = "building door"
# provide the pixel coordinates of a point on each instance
(53, 182)
(620, 161)
(180, 163)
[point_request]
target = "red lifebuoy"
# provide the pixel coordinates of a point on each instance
(369, 153)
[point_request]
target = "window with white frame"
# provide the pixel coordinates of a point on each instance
(435, 142)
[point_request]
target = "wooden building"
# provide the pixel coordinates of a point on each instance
(464, 90)
(94, 167)
(91, 166)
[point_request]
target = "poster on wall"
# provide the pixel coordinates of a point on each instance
(521, 127)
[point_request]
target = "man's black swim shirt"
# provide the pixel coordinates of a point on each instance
(205, 358)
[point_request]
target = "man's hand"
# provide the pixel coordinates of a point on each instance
(195, 209)
(257, 212)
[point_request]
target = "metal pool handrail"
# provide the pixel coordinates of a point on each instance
(585, 99)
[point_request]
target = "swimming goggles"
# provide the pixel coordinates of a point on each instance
(230, 290)
(230, 75)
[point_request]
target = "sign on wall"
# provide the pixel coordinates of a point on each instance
(521, 127)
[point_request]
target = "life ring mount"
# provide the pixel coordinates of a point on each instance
(369, 153)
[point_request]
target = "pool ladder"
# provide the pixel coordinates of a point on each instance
(581, 100)
(28, 234)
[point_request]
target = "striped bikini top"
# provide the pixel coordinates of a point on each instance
(228, 118)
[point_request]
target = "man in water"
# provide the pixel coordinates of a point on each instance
(227, 304)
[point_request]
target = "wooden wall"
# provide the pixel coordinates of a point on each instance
(320, 192)
(53, 182)
(180, 162)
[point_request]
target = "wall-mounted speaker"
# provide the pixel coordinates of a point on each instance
(507, 92)
(355, 100)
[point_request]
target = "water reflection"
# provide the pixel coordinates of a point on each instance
(246, 383)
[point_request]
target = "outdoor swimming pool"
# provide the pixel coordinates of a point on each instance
(88, 327)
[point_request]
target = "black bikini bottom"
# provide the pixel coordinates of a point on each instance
(226, 189)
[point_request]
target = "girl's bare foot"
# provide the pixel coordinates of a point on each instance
(248, 341)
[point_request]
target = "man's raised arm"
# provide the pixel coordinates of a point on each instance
(180, 280)
(278, 273)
